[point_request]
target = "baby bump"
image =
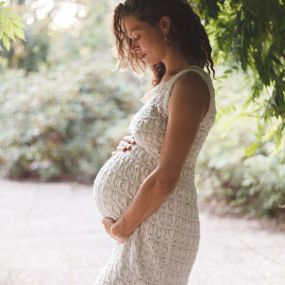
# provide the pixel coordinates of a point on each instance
(118, 181)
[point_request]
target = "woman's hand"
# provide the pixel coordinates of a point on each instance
(109, 227)
(125, 144)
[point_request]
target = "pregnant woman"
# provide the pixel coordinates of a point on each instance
(146, 194)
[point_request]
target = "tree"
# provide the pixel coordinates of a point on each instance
(11, 26)
(250, 34)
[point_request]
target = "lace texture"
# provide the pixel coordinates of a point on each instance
(163, 249)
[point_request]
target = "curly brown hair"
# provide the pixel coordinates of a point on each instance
(186, 32)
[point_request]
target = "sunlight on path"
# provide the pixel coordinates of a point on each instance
(51, 234)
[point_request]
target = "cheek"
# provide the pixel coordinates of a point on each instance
(157, 49)
(147, 42)
(153, 45)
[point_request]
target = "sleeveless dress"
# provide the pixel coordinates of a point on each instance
(162, 250)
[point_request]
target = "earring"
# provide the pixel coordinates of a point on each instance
(166, 38)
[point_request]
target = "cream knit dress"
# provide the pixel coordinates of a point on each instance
(163, 249)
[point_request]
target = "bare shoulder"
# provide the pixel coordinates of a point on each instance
(187, 105)
(190, 91)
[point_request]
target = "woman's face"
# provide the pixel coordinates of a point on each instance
(148, 42)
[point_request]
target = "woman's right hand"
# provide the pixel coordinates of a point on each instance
(125, 144)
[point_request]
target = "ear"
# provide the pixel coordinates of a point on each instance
(164, 24)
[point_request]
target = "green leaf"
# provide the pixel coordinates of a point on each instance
(17, 21)
(19, 32)
(6, 42)
(251, 149)
(9, 31)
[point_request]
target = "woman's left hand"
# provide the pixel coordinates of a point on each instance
(109, 225)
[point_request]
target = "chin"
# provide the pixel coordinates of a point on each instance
(150, 62)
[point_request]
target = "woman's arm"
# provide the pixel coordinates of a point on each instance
(188, 104)
(152, 193)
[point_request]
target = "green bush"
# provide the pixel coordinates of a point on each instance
(252, 185)
(240, 169)
(63, 123)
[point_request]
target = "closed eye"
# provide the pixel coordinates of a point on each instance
(137, 38)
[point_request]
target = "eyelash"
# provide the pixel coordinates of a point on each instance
(137, 38)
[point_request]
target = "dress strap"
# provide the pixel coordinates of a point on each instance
(173, 79)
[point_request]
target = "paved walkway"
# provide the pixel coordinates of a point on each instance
(51, 234)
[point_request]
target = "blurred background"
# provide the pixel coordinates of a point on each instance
(64, 107)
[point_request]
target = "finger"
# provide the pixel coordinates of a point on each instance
(110, 219)
(121, 148)
(105, 219)
(124, 144)
(107, 227)
(131, 140)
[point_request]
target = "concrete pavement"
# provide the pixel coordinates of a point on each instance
(51, 234)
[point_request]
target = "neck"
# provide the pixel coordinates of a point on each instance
(174, 62)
